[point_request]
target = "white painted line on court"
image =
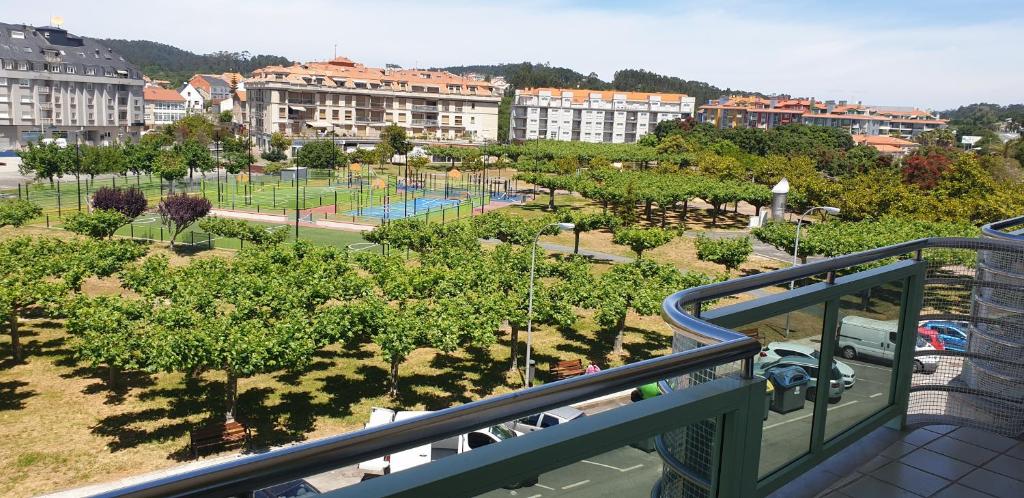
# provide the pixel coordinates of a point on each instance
(875, 395)
(599, 464)
(801, 417)
(545, 487)
(534, 496)
(627, 469)
(573, 485)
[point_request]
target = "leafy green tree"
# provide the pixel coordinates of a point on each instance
(278, 144)
(98, 224)
(224, 117)
(196, 155)
(192, 127)
(17, 212)
(111, 331)
(170, 166)
(640, 287)
(242, 230)
(586, 222)
(728, 252)
(642, 239)
(45, 160)
(104, 159)
(319, 154)
(395, 136)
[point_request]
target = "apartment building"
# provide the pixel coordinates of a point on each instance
(163, 106)
(347, 99)
(858, 119)
(56, 84)
(592, 116)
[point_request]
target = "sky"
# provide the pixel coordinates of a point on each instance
(935, 54)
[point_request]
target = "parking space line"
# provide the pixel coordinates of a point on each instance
(875, 395)
(599, 464)
(573, 485)
(801, 417)
(535, 496)
(627, 469)
(545, 487)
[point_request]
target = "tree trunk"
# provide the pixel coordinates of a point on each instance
(12, 320)
(714, 214)
(231, 396)
(576, 245)
(394, 378)
(551, 200)
(112, 376)
(514, 341)
(647, 210)
(664, 215)
(604, 207)
(757, 211)
(620, 329)
(686, 208)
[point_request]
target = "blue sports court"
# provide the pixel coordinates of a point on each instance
(399, 210)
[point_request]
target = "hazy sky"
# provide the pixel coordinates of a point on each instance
(935, 53)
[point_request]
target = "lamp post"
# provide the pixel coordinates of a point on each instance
(796, 243)
(529, 305)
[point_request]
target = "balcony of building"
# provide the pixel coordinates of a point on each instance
(424, 108)
(894, 417)
(43, 90)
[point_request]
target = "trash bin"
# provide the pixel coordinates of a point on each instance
(790, 386)
(769, 392)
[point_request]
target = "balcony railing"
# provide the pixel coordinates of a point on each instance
(424, 108)
(425, 122)
(709, 426)
(43, 90)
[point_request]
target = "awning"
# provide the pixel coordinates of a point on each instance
(313, 124)
(297, 108)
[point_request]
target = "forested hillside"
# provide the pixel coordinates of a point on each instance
(165, 62)
(526, 75)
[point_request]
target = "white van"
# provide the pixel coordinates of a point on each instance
(859, 336)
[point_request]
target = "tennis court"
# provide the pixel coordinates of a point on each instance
(399, 210)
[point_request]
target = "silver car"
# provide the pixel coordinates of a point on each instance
(546, 419)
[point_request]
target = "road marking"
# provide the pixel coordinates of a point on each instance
(784, 422)
(576, 484)
(627, 469)
(545, 487)
(535, 496)
(875, 395)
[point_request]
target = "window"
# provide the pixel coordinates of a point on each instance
(23, 66)
(892, 337)
(24, 83)
(531, 420)
(8, 65)
(548, 421)
(90, 71)
(18, 35)
(476, 440)
(335, 114)
(472, 120)
(3, 81)
(71, 69)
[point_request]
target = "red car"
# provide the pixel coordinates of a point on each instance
(932, 337)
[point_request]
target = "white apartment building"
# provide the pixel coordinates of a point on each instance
(592, 116)
(163, 106)
(346, 99)
(55, 84)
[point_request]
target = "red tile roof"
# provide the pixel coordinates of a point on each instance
(157, 94)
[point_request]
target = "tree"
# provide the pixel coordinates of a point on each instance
(924, 170)
(243, 230)
(170, 166)
(17, 212)
(98, 224)
(639, 286)
(45, 160)
(224, 117)
(111, 331)
(728, 252)
(104, 159)
(642, 239)
(585, 222)
(319, 154)
(192, 127)
(196, 155)
(395, 136)
(227, 316)
(278, 144)
(178, 212)
(130, 202)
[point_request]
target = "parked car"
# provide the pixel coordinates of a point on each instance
(809, 365)
(860, 336)
(931, 337)
(291, 489)
(427, 453)
(546, 419)
(953, 334)
(775, 350)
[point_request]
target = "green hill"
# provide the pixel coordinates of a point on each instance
(166, 62)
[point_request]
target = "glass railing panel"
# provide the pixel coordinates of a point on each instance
(790, 340)
(867, 342)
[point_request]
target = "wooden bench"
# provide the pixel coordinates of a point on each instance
(568, 368)
(227, 435)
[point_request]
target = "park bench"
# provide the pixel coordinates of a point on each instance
(227, 435)
(568, 368)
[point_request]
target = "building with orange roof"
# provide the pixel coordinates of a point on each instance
(162, 106)
(593, 115)
(887, 145)
(765, 113)
(343, 98)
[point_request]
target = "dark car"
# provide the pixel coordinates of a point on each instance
(291, 489)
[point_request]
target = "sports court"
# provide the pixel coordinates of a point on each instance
(396, 210)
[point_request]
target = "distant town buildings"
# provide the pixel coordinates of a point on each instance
(858, 119)
(592, 116)
(163, 106)
(204, 90)
(887, 145)
(347, 99)
(54, 84)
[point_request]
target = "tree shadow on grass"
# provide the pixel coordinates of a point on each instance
(652, 344)
(479, 374)
(344, 391)
(294, 378)
(11, 395)
(115, 395)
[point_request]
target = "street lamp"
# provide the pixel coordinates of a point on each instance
(796, 243)
(529, 306)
